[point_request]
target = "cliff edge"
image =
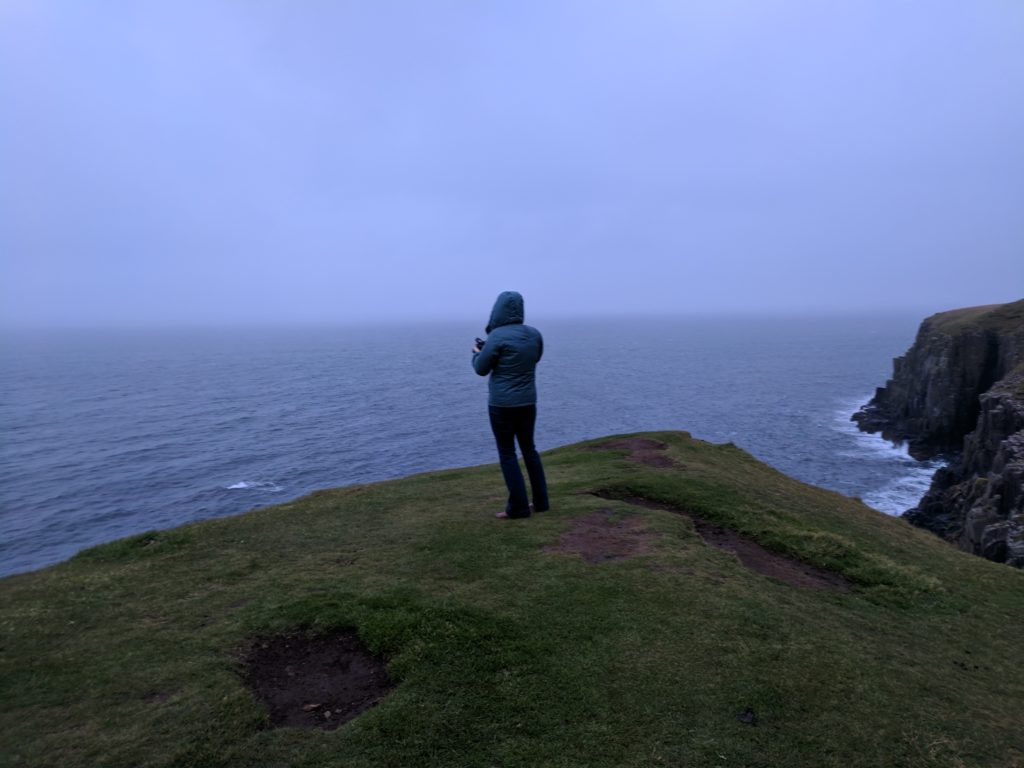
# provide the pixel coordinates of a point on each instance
(959, 392)
(680, 603)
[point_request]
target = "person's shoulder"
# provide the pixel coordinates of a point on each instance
(518, 333)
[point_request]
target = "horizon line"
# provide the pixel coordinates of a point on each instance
(474, 318)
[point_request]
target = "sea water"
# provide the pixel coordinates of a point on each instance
(109, 433)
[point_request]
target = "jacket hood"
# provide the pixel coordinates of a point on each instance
(508, 310)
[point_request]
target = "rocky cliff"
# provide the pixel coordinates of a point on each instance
(959, 392)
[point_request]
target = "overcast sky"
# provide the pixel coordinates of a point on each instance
(211, 161)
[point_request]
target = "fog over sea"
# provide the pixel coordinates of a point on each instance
(111, 433)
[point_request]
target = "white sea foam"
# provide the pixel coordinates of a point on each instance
(904, 491)
(255, 485)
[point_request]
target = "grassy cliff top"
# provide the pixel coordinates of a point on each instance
(1001, 318)
(633, 624)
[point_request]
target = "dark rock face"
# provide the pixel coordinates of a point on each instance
(959, 391)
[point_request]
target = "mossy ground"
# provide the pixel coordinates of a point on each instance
(996, 318)
(507, 655)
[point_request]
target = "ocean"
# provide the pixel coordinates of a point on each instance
(110, 433)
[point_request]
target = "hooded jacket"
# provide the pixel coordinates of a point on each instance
(510, 354)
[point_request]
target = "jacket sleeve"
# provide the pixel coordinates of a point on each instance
(540, 346)
(485, 360)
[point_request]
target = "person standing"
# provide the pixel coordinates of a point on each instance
(510, 355)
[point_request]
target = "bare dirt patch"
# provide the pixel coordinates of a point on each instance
(641, 449)
(750, 554)
(598, 538)
(315, 682)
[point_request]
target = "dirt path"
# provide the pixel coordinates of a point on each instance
(751, 554)
(641, 449)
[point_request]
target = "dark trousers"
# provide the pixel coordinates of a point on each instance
(509, 425)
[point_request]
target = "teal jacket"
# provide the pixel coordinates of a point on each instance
(510, 354)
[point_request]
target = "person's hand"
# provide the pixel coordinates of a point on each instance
(476, 348)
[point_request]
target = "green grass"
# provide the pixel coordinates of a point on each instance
(998, 318)
(507, 655)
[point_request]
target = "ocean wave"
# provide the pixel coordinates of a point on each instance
(867, 442)
(255, 485)
(903, 491)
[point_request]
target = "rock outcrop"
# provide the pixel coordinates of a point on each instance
(959, 392)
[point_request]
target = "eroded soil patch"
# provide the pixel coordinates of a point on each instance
(315, 682)
(751, 554)
(641, 449)
(597, 538)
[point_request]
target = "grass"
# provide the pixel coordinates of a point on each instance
(997, 318)
(507, 655)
